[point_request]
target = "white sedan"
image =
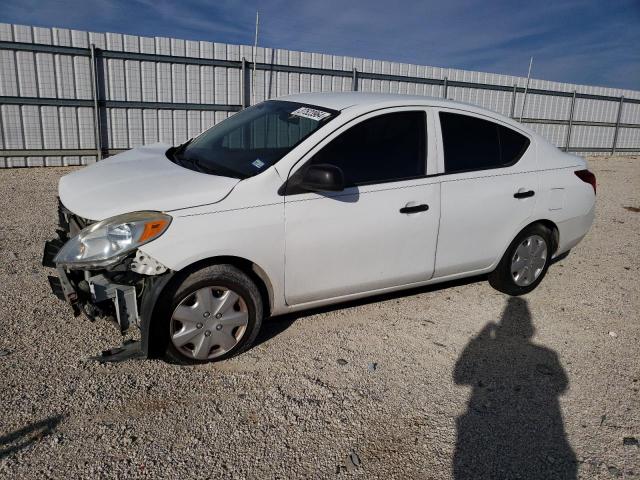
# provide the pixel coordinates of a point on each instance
(310, 200)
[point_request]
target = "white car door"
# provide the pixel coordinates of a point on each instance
(489, 189)
(381, 230)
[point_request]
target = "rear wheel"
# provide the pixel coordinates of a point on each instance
(525, 262)
(214, 314)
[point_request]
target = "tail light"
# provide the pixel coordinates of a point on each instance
(587, 177)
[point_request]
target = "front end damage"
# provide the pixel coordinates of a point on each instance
(124, 293)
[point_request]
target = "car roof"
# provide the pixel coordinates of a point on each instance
(343, 100)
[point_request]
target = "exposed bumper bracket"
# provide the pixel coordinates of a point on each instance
(68, 291)
(123, 297)
(51, 249)
(130, 350)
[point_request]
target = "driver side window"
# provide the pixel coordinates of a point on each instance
(386, 148)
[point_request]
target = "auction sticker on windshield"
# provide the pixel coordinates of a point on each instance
(310, 113)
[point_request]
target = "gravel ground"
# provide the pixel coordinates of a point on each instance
(434, 383)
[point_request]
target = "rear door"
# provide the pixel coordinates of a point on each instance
(379, 232)
(489, 189)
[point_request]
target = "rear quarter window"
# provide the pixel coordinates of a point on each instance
(471, 143)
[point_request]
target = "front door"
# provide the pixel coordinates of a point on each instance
(380, 231)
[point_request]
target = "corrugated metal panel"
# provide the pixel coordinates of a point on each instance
(133, 78)
(8, 74)
(596, 110)
(148, 82)
(630, 113)
(150, 126)
(86, 132)
(27, 74)
(50, 127)
(193, 124)
(135, 128)
(163, 82)
(69, 127)
(11, 126)
(46, 75)
(629, 138)
(179, 127)
(31, 126)
(119, 128)
(591, 137)
(65, 77)
(556, 134)
(165, 126)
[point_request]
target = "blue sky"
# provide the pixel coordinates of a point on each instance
(593, 42)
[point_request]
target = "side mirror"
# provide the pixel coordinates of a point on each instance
(323, 177)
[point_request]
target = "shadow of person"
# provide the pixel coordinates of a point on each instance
(512, 428)
(22, 438)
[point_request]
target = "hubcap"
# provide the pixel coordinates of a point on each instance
(529, 260)
(209, 322)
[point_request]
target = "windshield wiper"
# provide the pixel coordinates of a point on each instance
(180, 148)
(217, 170)
(175, 153)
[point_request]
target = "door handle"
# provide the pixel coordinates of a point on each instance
(522, 193)
(409, 208)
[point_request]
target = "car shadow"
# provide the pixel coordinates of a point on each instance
(274, 326)
(513, 425)
(22, 438)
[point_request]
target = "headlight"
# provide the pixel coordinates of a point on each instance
(109, 241)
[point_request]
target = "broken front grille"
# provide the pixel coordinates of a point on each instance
(69, 223)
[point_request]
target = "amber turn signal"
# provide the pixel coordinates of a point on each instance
(153, 229)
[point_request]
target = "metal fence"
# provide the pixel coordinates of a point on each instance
(70, 97)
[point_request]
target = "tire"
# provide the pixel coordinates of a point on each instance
(505, 279)
(217, 309)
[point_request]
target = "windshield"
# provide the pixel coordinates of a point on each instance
(252, 140)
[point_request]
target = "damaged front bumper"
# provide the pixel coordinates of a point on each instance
(125, 293)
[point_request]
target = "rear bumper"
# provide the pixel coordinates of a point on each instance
(572, 231)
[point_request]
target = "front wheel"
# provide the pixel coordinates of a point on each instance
(525, 262)
(214, 314)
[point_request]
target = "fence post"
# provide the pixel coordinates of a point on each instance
(445, 88)
(244, 84)
(513, 100)
(567, 141)
(354, 80)
(96, 94)
(615, 132)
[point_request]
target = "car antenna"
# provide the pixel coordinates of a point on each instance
(524, 99)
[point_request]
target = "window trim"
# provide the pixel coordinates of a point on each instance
(289, 187)
(479, 116)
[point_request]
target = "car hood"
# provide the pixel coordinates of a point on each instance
(139, 179)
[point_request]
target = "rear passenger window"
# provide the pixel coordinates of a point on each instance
(385, 148)
(471, 143)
